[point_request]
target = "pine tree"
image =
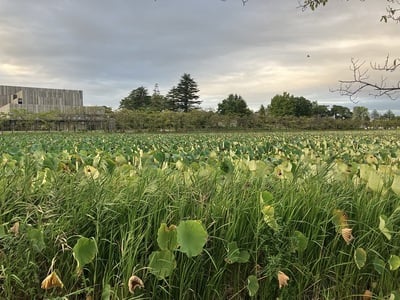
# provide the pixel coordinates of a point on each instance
(184, 96)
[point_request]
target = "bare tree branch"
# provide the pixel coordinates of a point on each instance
(388, 66)
(361, 81)
(243, 1)
(392, 13)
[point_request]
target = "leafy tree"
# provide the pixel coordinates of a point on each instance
(375, 115)
(341, 112)
(288, 105)
(388, 115)
(262, 111)
(281, 105)
(320, 111)
(184, 96)
(234, 104)
(360, 113)
(137, 99)
(303, 107)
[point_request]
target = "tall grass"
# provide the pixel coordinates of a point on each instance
(123, 208)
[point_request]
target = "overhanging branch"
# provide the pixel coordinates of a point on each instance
(361, 81)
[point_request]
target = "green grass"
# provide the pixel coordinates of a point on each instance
(146, 180)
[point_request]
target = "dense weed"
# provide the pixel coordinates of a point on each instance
(284, 199)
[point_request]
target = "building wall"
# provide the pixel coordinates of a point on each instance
(39, 99)
(5, 92)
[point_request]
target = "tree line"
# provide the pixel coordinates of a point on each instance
(182, 97)
(180, 110)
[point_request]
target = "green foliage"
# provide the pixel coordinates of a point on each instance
(320, 111)
(191, 237)
(160, 118)
(233, 105)
(184, 96)
(282, 105)
(341, 112)
(266, 198)
(235, 255)
(379, 265)
(227, 181)
(2, 231)
(106, 294)
(360, 257)
(162, 263)
(388, 115)
(268, 212)
(167, 237)
(300, 241)
(288, 105)
(384, 227)
(394, 262)
(360, 113)
(84, 252)
(35, 235)
(158, 102)
(137, 99)
(252, 285)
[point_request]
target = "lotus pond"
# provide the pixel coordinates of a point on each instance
(200, 216)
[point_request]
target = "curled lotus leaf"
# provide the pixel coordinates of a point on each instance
(268, 212)
(167, 237)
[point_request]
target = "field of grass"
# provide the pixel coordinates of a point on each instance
(200, 216)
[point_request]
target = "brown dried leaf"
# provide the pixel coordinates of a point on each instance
(347, 235)
(15, 229)
(51, 281)
(135, 282)
(283, 279)
(367, 295)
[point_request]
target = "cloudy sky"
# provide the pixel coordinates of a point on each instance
(109, 47)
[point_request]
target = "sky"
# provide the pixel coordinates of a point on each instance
(107, 48)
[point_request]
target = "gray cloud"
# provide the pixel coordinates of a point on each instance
(108, 48)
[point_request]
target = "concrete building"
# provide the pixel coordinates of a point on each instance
(40, 100)
(67, 106)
